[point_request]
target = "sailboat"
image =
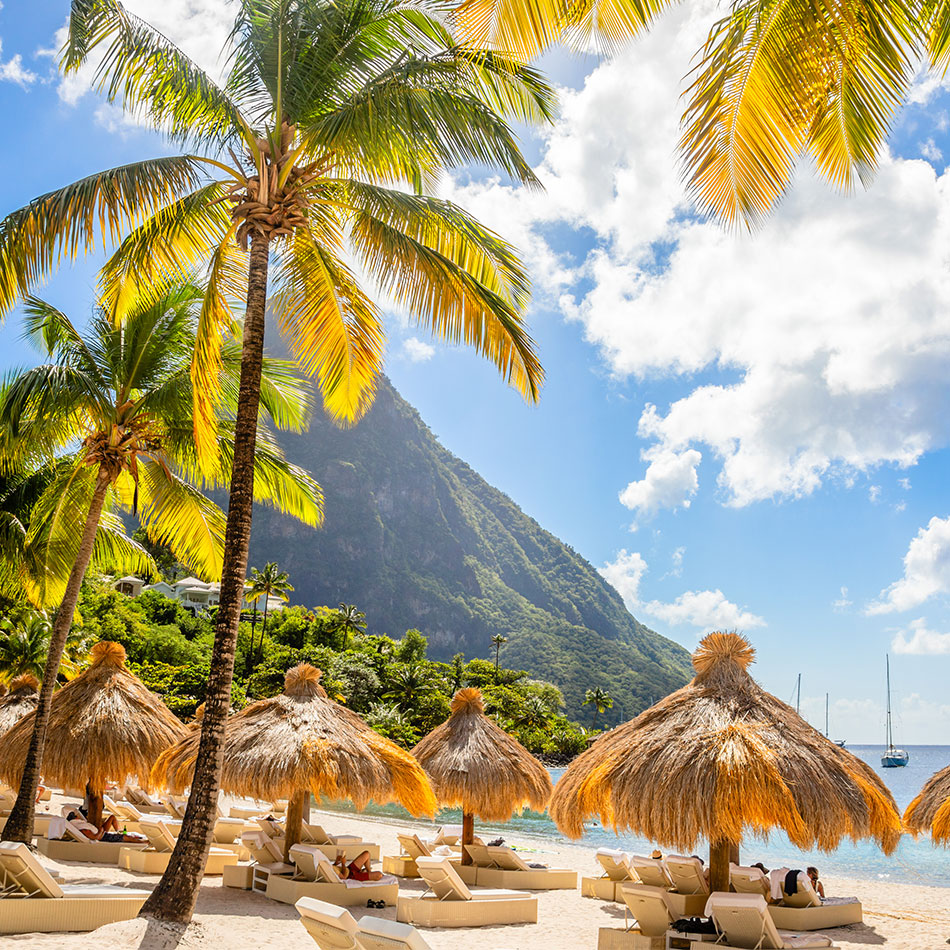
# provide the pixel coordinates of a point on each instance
(893, 757)
(837, 742)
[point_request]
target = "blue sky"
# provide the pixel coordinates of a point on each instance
(739, 431)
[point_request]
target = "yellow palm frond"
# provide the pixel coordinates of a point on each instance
(523, 28)
(334, 331)
(782, 77)
(92, 213)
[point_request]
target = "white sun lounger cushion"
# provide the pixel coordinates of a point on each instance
(687, 874)
(391, 933)
(444, 882)
(744, 921)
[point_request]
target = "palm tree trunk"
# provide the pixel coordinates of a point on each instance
(174, 897)
(249, 659)
(19, 826)
(260, 648)
(292, 826)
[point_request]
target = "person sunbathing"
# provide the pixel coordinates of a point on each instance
(812, 873)
(360, 869)
(340, 866)
(108, 831)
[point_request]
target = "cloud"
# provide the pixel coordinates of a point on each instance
(705, 609)
(874, 494)
(14, 71)
(918, 640)
(843, 602)
(926, 571)
(669, 482)
(624, 574)
(785, 369)
(930, 151)
(418, 351)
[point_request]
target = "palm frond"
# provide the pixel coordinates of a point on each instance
(524, 28)
(457, 278)
(333, 329)
(94, 212)
(780, 77)
(150, 75)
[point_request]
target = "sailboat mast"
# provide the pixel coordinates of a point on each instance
(798, 695)
(890, 738)
(826, 715)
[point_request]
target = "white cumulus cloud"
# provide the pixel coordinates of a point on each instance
(13, 70)
(926, 570)
(418, 351)
(921, 641)
(624, 574)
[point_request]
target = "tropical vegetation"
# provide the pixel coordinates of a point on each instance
(122, 393)
(266, 583)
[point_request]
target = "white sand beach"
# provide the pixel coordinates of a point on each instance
(900, 916)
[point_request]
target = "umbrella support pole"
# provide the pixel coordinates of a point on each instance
(94, 796)
(721, 853)
(294, 820)
(468, 835)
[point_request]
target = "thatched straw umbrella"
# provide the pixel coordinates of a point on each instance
(301, 742)
(19, 701)
(103, 725)
(476, 766)
(930, 810)
(721, 758)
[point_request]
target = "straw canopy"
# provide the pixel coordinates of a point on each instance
(299, 741)
(930, 810)
(721, 758)
(476, 766)
(19, 701)
(103, 725)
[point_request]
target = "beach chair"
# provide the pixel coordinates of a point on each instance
(500, 866)
(75, 846)
(744, 922)
(805, 910)
(155, 858)
(270, 826)
(31, 901)
(404, 863)
(144, 802)
(447, 901)
(750, 881)
(351, 845)
(650, 871)
(176, 806)
(652, 917)
(690, 887)
(251, 812)
(316, 877)
(334, 928)
(616, 870)
(123, 811)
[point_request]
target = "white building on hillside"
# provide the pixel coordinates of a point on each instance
(192, 593)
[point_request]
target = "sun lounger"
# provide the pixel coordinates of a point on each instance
(499, 866)
(316, 877)
(250, 812)
(404, 864)
(743, 921)
(31, 901)
(616, 870)
(750, 881)
(805, 910)
(333, 928)
(144, 802)
(448, 902)
(651, 871)
(687, 874)
(351, 845)
(75, 846)
(155, 858)
(652, 916)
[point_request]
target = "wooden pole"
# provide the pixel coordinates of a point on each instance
(468, 835)
(720, 854)
(95, 806)
(292, 825)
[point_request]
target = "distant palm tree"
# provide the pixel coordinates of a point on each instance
(408, 684)
(533, 714)
(497, 641)
(124, 393)
(347, 620)
(601, 701)
(270, 582)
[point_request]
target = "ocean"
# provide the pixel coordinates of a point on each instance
(914, 862)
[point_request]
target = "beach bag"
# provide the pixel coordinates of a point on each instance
(694, 925)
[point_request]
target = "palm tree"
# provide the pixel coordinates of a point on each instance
(271, 582)
(781, 82)
(498, 640)
(347, 620)
(124, 394)
(601, 701)
(24, 642)
(333, 121)
(408, 684)
(533, 714)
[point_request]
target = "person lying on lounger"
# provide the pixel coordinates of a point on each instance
(108, 831)
(360, 869)
(812, 873)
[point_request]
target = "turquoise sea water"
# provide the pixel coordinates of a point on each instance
(914, 862)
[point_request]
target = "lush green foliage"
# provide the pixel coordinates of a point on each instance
(416, 535)
(24, 642)
(401, 692)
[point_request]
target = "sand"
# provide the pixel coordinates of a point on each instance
(900, 916)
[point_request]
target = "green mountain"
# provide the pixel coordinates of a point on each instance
(416, 538)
